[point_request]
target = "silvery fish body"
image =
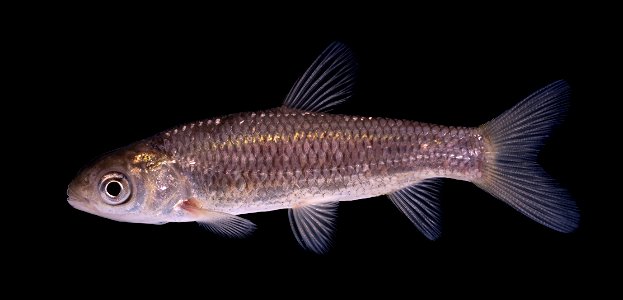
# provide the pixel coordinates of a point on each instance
(300, 158)
(282, 158)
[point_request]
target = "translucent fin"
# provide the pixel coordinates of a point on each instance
(327, 82)
(420, 203)
(227, 225)
(512, 173)
(220, 223)
(313, 225)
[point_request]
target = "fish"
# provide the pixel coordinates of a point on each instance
(302, 158)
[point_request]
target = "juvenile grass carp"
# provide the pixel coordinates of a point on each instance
(300, 158)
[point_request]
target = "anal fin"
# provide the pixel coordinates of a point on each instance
(420, 203)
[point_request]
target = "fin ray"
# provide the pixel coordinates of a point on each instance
(227, 225)
(512, 173)
(420, 203)
(313, 225)
(327, 82)
(220, 223)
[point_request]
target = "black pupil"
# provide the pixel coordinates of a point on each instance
(113, 188)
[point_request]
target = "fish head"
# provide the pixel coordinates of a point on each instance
(135, 184)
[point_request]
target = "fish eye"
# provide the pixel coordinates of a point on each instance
(115, 188)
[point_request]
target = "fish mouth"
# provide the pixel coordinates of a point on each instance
(76, 201)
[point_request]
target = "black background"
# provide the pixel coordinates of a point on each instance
(113, 81)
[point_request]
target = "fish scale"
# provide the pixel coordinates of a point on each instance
(300, 158)
(274, 154)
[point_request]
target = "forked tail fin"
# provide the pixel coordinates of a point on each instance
(512, 173)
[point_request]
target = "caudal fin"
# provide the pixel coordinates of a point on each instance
(512, 173)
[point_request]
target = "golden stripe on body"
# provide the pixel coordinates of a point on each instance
(300, 136)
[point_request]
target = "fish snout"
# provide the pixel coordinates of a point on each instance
(76, 200)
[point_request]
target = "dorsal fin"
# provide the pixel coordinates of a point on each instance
(327, 82)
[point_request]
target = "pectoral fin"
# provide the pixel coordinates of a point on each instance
(217, 222)
(227, 225)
